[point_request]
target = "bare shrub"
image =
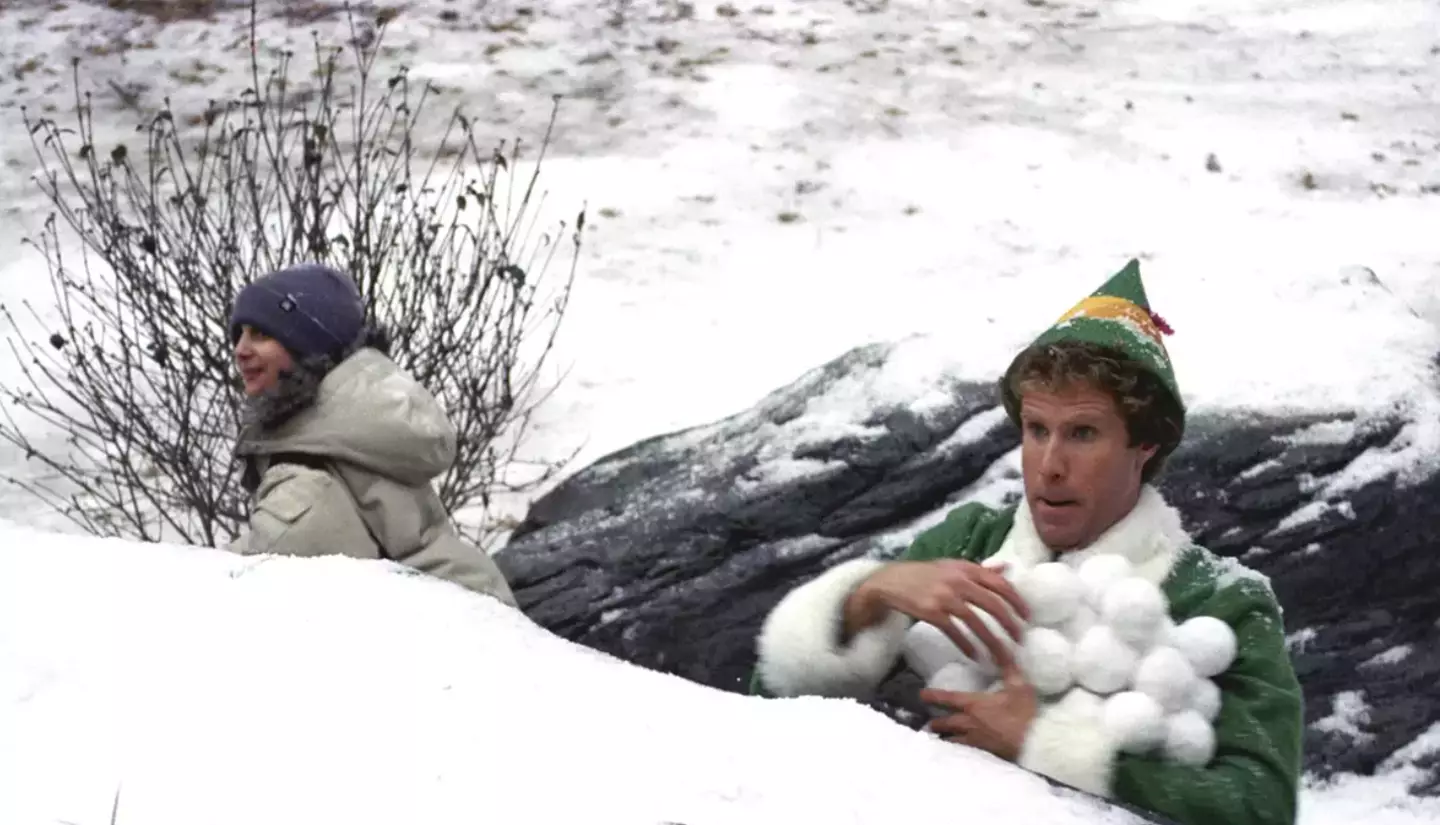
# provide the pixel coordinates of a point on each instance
(440, 234)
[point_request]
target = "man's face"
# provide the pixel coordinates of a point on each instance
(1081, 475)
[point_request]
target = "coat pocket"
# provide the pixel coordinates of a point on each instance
(294, 495)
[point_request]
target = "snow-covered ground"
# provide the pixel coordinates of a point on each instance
(160, 685)
(769, 184)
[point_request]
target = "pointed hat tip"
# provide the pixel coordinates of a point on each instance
(1126, 284)
(1132, 270)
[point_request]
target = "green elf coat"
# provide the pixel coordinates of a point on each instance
(1254, 775)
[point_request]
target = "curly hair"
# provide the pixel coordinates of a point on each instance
(1153, 416)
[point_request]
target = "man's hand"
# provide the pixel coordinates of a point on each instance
(933, 592)
(996, 722)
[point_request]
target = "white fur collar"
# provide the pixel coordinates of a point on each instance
(1150, 537)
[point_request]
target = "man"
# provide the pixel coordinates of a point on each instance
(1099, 410)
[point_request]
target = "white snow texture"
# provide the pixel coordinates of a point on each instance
(172, 685)
(176, 685)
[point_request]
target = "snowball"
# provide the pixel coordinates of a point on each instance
(1134, 721)
(1097, 573)
(927, 650)
(1102, 663)
(1052, 590)
(1135, 609)
(1189, 739)
(1205, 699)
(1085, 618)
(1165, 676)
(962, 677)
(1009, 573)
(1045, 659)
(1166, 634)
(1207, 642)
(1082, 702)
(985, 661)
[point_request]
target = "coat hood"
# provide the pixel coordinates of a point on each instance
(370, 413)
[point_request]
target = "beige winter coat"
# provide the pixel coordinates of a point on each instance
(373, 440)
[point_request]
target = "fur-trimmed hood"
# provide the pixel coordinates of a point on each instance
(369, 413)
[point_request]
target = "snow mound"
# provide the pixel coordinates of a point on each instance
(161, 684)
(181, 685)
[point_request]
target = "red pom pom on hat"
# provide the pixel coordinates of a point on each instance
(1160, 323)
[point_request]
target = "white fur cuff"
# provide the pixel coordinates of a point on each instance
(799, 652)
(1069, 744)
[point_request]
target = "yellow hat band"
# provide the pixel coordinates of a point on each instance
(1110, 308)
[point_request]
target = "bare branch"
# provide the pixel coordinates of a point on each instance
(126, 404)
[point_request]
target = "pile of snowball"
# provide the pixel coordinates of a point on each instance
(1100, 638)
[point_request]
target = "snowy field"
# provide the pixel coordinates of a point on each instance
(769, 184)
(158, 685)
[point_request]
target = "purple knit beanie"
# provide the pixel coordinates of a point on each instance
(311, 309)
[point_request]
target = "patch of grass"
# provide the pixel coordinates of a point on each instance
(171, 11)
(22, 69)
(710, 58)
(314, 12)
(168, 11)
(195, 74)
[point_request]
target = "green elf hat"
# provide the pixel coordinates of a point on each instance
(1116, 315)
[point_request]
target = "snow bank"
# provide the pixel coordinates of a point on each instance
(204, 687)
(163, 684)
